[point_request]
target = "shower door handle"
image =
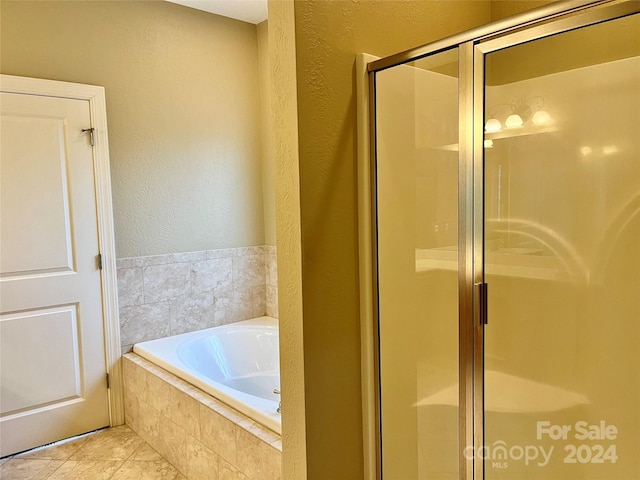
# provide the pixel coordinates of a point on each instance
(481, 300)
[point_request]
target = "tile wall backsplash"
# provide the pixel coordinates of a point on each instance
(164, 295)
(271, 262)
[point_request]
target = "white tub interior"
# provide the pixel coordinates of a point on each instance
(238, 363)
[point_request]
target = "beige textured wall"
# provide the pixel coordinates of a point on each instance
(328, 36)
(182, 106)
(507, 8)
(282, 63)
(266, 136)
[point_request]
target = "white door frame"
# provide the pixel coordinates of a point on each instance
(102, 178)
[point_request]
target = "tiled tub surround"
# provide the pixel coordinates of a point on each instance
(200, 436)
(164, 295)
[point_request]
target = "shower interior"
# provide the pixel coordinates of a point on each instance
(513, 164)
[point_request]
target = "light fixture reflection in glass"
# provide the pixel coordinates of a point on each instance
(513, 121)
(609, 149)
(488, 143)
(541, 117)
(585, 151)
(492, 125)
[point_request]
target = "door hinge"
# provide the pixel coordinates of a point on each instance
(108, 382)
(91, 134)
(99, 261)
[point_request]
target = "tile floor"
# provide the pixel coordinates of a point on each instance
(110, 454)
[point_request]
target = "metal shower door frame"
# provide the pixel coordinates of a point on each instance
(472, 46)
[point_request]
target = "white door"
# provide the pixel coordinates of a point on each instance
(52, 342)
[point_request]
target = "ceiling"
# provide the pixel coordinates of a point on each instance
(251, 11)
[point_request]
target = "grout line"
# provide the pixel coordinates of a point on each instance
(115, 471)
(142, 281)
(120, 466)
(138, 448)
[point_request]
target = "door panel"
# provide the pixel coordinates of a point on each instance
(53, 366)
(32, 386)
(28, 177)
(562, 256)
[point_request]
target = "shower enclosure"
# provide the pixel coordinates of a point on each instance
(504, 276)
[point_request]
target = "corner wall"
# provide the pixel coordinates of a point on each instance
(328, 37)
(284, 115)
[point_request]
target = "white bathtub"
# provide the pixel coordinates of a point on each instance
(237, 363)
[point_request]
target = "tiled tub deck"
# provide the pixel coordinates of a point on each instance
(199, 435)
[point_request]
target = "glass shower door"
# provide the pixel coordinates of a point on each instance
(416, 185)
(562, 256)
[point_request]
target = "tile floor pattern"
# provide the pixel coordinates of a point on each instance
(111, 454)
